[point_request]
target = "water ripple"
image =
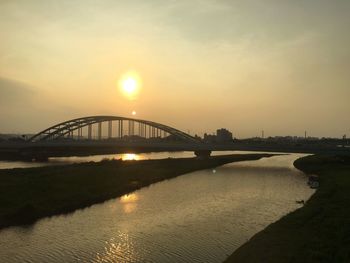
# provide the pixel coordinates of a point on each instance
(198, 217)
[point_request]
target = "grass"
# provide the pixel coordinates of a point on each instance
(318, 232)
(32, 193)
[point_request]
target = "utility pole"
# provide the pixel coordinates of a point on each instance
(262, 134)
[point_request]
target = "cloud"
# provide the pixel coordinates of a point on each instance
(27, 108)
(14, 93)
(251, 56)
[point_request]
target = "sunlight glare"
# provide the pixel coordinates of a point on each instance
(130, 157)
(130, 84)
(129, 202)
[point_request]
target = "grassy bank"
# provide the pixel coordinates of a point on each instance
(318, 232)
(32, 193)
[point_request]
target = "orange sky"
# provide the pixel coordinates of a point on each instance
(281, 66)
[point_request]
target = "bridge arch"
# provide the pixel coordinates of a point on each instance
(144, 129)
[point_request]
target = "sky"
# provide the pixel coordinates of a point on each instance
(282, 66)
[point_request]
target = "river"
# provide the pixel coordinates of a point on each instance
(201, 216)
(97, 158)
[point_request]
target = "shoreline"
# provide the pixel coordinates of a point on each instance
(317, 232)
(29, 194)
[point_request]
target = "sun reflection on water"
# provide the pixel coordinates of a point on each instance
(120, 248)
(129, 202)
(130, 156)
(117, 249)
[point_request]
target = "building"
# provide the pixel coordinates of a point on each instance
(223, 135)
(209, 138)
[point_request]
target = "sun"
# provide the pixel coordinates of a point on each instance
(130, 84)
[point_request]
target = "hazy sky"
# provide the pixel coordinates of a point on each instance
(246, 65)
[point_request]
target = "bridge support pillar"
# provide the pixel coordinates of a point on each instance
(80, 133)
(89, 132)
(202, 153)
(109, 129)
(99, 131)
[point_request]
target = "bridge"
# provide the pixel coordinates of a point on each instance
(125, 128)
(108, 134)
(114, 134)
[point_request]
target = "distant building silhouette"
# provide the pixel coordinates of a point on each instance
(210, 138)
(222, 136)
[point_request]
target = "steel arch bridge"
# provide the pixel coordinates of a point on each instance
(117, 128)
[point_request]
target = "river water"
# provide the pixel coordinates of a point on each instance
(97, 158)
(201, 216)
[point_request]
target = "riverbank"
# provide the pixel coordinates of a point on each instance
(29, 194)
(319, 231)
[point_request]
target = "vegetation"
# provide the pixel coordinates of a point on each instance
(318, 232)
(32, 193)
